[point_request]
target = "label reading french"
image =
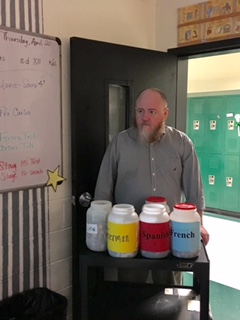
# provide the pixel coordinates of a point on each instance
(185, 236)
(122, 238)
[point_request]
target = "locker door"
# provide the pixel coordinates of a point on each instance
(232, 140)
(213, 135)
(196, 122)
(212, 180)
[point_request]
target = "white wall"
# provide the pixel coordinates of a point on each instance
(214, 74)
(118, 21)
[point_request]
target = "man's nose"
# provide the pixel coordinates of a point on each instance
(145, 115)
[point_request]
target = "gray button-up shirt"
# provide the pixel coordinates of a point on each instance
(130, 172)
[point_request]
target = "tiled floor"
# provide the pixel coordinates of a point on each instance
(224, 301)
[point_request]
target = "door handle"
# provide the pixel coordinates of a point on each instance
(85, 199)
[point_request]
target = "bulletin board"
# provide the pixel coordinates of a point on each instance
(30, 108)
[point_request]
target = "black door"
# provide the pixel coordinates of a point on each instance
(98, 70)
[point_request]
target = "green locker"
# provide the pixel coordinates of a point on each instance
(211, 167)
(217, 142)
(232, 139)
(213, 135)
(196, 122)
(230, 183)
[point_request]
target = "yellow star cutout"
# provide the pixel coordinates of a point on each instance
(54, 178)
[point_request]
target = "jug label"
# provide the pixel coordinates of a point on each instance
(185, 236)
(155, 237)
(92, 228)
(122, 238)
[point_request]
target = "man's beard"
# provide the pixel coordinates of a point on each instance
(151, 135)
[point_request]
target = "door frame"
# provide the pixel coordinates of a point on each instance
(195, 51)
(205, 48)
(198, 51)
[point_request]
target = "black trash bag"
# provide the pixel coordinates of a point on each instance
(34, 304)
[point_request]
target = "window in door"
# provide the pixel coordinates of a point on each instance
(118, 109)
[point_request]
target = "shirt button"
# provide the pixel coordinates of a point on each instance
(153, 174)
(152, 159)
(154, 189)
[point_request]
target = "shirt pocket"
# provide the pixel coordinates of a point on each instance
(173, 165)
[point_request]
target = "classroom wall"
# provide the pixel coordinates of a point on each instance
(147, 24)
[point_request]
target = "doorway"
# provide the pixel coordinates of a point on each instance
(213, 123)
(213, 102)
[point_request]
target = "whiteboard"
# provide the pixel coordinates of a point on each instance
(30, 108)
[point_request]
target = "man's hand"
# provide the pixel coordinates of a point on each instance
(205, 235)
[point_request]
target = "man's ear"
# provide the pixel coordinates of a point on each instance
(166, 113)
